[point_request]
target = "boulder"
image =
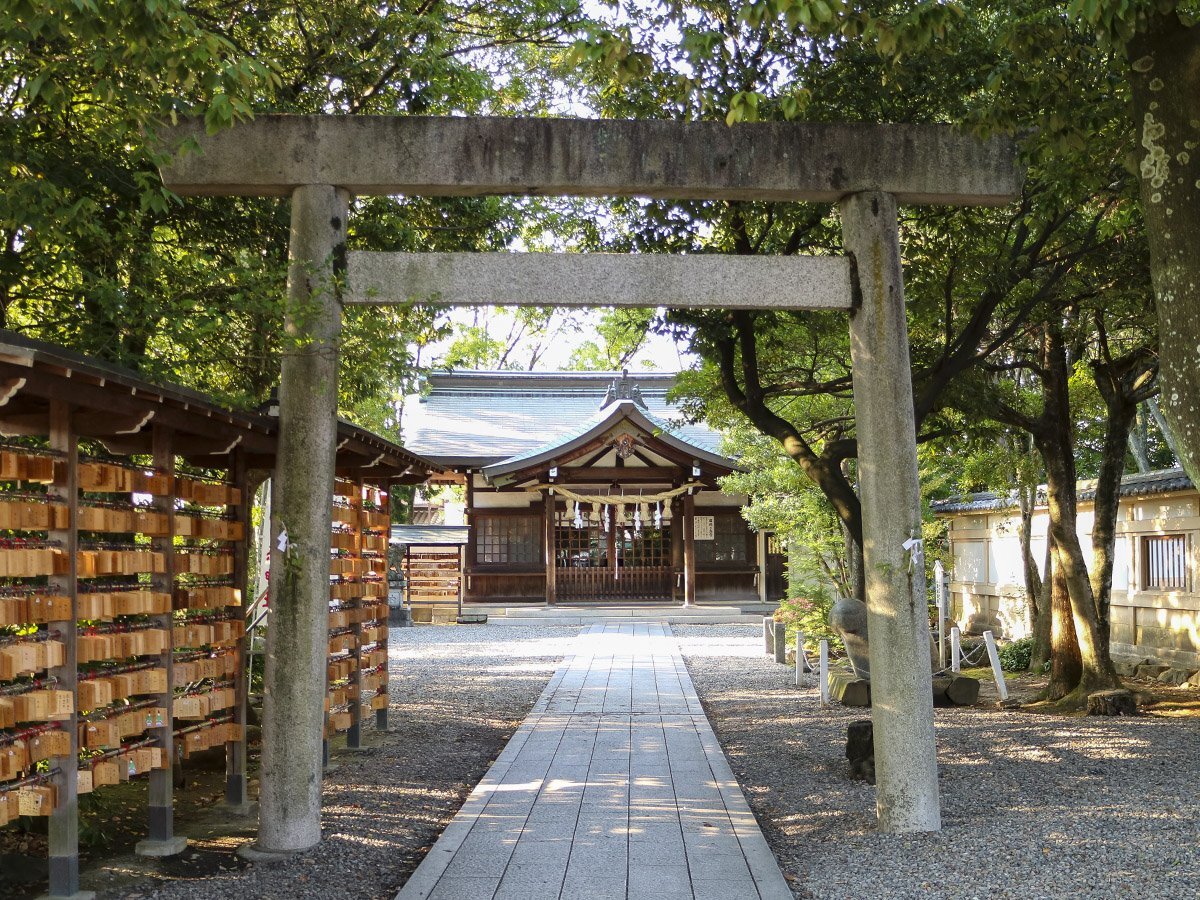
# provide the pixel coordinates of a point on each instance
(1126, 665)
(860, 749)
(849, 619)
(1112, 703)
(1150, 670)
(950, 689)
(1194, 681)
(1174, 677)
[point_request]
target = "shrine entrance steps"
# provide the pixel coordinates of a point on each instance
(614, 788)
(579, 613)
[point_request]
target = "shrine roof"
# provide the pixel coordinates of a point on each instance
(478, 418)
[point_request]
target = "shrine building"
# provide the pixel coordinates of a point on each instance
(586, 487)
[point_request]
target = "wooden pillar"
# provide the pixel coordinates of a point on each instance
(64, 819)
(162, 840)
(548, 515)
(673, 507)
(354, 734)
(235, 751)
(468, 556)
(760, 544)
(298, 637)
(381, 715)
(906, 779)
(689, 549)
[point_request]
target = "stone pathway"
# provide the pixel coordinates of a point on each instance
(613, 787)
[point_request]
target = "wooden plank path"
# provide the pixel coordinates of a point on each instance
(613, 787)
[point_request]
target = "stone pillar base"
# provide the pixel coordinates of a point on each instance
(157, 849)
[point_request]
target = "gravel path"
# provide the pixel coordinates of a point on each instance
(1033, 805)
(458, 693)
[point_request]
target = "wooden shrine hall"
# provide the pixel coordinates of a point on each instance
(584, 488)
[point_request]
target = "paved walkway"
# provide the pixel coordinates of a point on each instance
(613, 787)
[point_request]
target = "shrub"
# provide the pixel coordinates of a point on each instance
(1015, 656)
(809, 615)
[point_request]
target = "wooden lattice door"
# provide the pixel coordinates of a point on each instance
(615, 564)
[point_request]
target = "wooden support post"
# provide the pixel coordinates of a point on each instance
(298, 637)
(906, 789)
(548, 545)
(235, 751)
(354, 734)
(64, 820)
(381, 715)
(689, 549)
(162, 840)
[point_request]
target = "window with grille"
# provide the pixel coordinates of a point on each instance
(728, 544)
(514, 540)
(1164, 562)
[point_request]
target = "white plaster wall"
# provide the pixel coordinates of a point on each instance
(1004, 561)
(970, 563)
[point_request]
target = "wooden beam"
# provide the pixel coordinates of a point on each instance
(600, 279)
(190, 422)
(476, 156)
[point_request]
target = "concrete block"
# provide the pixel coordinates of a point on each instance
(848, 689)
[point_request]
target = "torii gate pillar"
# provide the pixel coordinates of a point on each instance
(298, 636)
(906, 787)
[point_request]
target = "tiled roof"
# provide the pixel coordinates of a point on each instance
(1163, 481)
(427, 535)
(613, 414)
(477, 418)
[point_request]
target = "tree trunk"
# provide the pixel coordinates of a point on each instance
(854, 565)
(1164, 427)
(1055, 441)
(1033, 579)
(1138, 444)
(1165, 82)
(1044, 620)
(1066, 665)
(1122, 384)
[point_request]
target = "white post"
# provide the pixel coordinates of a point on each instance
(801, 660)
(955, 650)
(824, 673)
(939, 586)
(997, 671)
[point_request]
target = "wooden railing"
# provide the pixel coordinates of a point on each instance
(602, 583)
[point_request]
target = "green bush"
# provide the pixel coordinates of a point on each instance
(809, 615)
(1015, 656)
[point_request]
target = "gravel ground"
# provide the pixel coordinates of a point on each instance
(1033, 805)
(458, 694)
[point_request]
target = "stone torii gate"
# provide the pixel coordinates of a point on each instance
(320, 161)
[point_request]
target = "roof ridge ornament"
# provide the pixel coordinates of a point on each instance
(623, 388)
